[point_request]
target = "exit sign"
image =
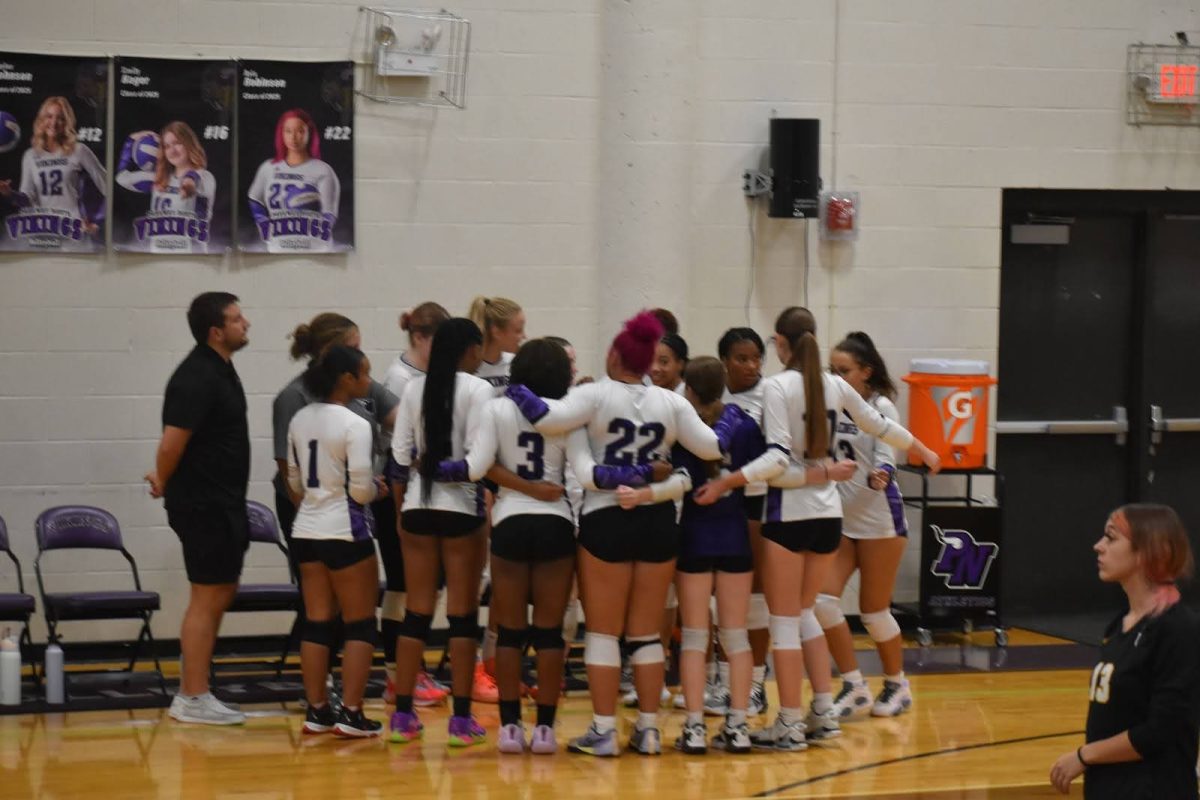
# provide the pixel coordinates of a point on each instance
(1175, 83)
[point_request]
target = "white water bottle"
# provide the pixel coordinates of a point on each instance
(10, 671)
(53, 668)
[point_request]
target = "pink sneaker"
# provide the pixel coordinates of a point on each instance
(543, 742)
(389, 692)
(405, 727)
(512, 739)
(427, 692)
(484, 689)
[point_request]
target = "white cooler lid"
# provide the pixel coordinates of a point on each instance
(949, 366)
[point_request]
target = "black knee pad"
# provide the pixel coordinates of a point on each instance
(415, 625)
(511, 637)
(546, 638)
(362, 630)
(464, 626)
(318, 631)
(389, 629)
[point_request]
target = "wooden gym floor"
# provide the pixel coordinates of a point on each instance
(971, 734)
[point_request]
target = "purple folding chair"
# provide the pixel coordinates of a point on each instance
(17, 606)
(90, 528)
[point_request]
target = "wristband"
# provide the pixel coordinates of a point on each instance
(1079, 755)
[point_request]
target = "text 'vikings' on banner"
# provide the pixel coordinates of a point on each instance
(295, 157)
(174, 176)
(53, 120)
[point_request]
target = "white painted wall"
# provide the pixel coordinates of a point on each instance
(928, 108)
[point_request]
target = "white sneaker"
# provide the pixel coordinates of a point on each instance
(716, 701)
(853, 701)
(758, 700)
(680, 702)
(822, 726)
(204, 710)
(631, 698)
(894, 700)
(693, 739)
(780, 736)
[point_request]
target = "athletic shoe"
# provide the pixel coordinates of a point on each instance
(853, 701)
(319, 720)
(780, 736)
(680, 702)
(693, 739)
(758, 700)
(543, 742)
(512, 739)
(646, 741)
(351, 724)
(427, 691)
(204, 709)
(716, 702)
(595, 743)
(631, 698)
(626, 677)
(389, 691)
(465, 731)
(894, 700)
(405, 727)
(733, 738)
(822, 726)
(484, 689)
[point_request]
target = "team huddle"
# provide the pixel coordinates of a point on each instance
(671, 491)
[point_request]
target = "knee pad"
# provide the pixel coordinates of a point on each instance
(546, 638)
(463, 626)
(362, 630)
(393, 606)
(694, 639)
(757, 617)
(810, 628)
(645, 649)
(733, 640)
(785, 632)
(829, 611)
(511, 637)
(318, 631)
(415, 625)
(880, 625)
(601, 650)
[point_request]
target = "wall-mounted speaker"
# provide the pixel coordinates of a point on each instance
(795, 168)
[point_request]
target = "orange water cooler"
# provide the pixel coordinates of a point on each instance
(948, 409)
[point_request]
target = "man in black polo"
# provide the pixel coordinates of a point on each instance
(202, 468)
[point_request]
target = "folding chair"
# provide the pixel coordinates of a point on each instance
(17, 606)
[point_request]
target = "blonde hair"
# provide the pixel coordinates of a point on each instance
(187, 137)
(490, 312)
(68, 137)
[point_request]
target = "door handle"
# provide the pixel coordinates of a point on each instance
(1118, 426)
(1160, 424)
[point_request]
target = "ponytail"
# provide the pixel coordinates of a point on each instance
(798, 326)
(450, 343)
(492, 312)
(859, 346)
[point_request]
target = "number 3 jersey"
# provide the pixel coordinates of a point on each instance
(329, 460)
(869, 513)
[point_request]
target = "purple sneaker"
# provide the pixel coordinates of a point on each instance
(543, 742)
(512, 739)
(465, 731)
(405, 727)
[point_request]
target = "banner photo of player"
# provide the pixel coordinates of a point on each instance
(53, 121)
(173, 181)
(295, 157)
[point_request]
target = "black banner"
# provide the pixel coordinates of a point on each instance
(53, 121)
(295, 157)
(173, 181)
(960, 562)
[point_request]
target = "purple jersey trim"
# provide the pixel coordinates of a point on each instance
(774, 505)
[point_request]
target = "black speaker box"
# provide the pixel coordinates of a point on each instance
(795, 167)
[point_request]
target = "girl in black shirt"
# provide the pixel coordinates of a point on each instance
(1145, 693)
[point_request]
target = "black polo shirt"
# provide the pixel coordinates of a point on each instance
(206, 397)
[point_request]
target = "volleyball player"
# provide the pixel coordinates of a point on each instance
(626, 558)
(670, 358)
(803, 524)
(874, 534)
(441, 522)
(330, 468)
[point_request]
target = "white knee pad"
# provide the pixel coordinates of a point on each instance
(601, 650)
(809, 627)
(694, 639)
(829, 611)
(393, 606)
(672, 597)
(881, 626)
(733, 640)
(757, 616)
(785, 632)
(645, 650)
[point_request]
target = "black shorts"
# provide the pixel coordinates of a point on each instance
(703, 564)
(820, 536)
(754, 507)
(333, 553)
(388, 539)
(645, 533)
(530, 538)
(432, 522)
(214, 542)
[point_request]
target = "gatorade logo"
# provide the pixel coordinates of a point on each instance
(960, 405)
(956, 411)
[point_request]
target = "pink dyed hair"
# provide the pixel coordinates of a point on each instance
(1158, 536)
(314, 138)
(636, 342)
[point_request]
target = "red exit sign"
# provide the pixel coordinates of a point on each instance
(1176, 83)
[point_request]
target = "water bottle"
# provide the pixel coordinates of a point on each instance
(55, 695)
(10, 671)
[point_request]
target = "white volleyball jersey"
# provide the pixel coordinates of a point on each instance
(170, 202)
(869, 513)
(309, 191)
(750, 401)
(329, 460)
(399, 373)
(783, 427)
(627, 424)
(55, 180)
(506, 438)
(496, 373)
(408, 440)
